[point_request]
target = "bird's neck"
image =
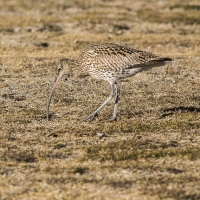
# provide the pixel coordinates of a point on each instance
(72, 63)
(76, 69)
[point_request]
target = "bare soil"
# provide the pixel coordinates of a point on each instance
(151, 152)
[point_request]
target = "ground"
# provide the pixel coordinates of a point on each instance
(151, 152)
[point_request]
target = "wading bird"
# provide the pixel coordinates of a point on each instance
(109, 62)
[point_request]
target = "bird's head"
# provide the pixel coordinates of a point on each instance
(64, 67)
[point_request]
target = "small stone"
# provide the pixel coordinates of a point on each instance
(101, 134)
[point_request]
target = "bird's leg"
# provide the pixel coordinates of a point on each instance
(95, 113)
(117, 93)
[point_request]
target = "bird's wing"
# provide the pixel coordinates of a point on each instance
(116, 57)
(155, 62)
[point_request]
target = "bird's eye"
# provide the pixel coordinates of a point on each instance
(59, 69)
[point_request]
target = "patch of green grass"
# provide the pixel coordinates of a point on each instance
(20, 156)
(186, 7)
(154, 16)
(135, 149)
(23, 115)
(182, 121)
(22, 21)
(98, 16)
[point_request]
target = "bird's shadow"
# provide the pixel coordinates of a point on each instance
(171, 111)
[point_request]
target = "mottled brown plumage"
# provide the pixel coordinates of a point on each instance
(109, 62)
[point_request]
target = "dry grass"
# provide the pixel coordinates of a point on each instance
(151, 152)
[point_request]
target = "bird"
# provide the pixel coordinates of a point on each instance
(109, 62)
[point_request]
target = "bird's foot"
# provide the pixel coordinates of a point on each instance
(112, 119)
(91, 117)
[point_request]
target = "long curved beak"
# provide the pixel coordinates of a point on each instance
(51, 93)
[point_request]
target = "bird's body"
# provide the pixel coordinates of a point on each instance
(112, 62)
(109, 62)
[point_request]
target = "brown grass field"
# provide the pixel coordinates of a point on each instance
(151, 152)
